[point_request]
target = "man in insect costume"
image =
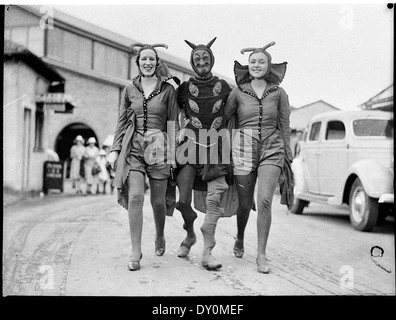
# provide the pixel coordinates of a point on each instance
(202, 164)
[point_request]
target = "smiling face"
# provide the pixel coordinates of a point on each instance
(147, 62)
(258, 65)
(202, 61)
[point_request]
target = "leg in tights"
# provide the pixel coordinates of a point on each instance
(185, 181)
(245, 187)
(214, 211)
(268, 176)
(157, 198)
(135, 211)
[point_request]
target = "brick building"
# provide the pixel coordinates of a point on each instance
(71, 85)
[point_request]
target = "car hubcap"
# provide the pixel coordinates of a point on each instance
(358, 204)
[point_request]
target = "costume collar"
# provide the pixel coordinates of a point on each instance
(202, 80)
(248, 89)
(275, 76)
(160, 81)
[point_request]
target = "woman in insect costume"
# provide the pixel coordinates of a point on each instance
(140, 146)
(261, 108)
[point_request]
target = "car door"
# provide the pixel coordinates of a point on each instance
(310, 157)
(333, 158)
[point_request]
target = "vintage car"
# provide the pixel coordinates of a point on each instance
(346, 157)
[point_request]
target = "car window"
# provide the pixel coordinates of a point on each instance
(315, 131)
(373, 128)
(335, 130)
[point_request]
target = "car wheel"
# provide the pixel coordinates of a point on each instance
(298, 206)
(363, 210)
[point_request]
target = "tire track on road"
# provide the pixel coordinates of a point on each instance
(23, 272)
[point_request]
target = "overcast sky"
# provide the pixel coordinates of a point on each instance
(342, 54)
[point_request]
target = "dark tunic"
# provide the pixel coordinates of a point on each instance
(203, 103)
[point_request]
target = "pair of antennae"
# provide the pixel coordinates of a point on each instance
(263, 48)
(140, 45)
(193, 46)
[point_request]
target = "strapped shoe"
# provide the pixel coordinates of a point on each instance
(135, 265)
(262, 265)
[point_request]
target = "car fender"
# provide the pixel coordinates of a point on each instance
(299, 182)
(374, 177)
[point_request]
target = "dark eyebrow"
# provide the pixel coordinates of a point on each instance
(206, 54)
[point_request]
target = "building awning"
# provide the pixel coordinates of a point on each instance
(57, 101)
(13, 50)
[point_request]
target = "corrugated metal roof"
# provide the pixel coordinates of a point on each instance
(382, 100)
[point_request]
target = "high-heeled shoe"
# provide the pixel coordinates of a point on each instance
(238, 248)
(262, 265)
(135, 265)
(160, 250)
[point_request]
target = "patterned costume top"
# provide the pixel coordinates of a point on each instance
(203, 102)
(202, 98)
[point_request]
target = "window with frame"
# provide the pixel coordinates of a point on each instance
(373, 128)
(315, 131)
(335, 130)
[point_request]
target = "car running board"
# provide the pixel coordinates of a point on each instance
(330, 200)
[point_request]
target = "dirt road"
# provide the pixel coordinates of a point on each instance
(70, 245)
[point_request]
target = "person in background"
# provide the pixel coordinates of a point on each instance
(76, 154)
(110, 170)
(262, 110)
(103, 174)
(148, 114)
(90, 155)
(297, 146)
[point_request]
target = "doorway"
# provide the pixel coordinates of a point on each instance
(65, 141)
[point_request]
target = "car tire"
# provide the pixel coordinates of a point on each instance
(363, 210)
(298, 206)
